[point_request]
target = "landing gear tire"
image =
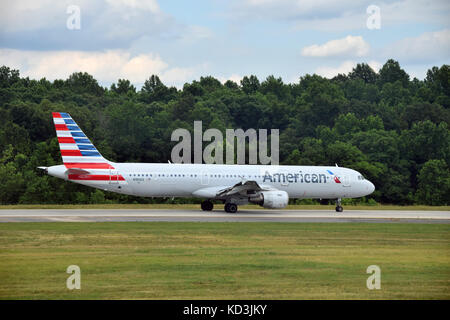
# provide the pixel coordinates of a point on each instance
(207, 205)
(230, 207)
(338, 205)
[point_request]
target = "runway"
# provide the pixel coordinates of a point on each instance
(149, 215)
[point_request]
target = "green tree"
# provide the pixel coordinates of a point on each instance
(434, 183)
(384, 125)
(123, 87)
(82, 82)
(421, 111)
(391, 72)
(8, 77)
(438, 81)
(426, 141)
(210, 83)
(275, 86)
(364, 72)
(154, 90)
(250, 84)
(11, 179)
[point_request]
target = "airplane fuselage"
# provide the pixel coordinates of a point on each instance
(189, 180)
(265, 185)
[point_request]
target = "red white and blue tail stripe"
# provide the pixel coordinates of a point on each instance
(83, 161)
(76, 148)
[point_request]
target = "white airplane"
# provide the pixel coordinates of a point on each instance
(265, 185)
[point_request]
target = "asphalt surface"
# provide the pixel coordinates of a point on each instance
(101, 215)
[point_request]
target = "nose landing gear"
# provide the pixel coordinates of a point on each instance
(338, 205)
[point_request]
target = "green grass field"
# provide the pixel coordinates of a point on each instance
(159, 260)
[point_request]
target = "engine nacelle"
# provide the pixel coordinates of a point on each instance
(276, 199)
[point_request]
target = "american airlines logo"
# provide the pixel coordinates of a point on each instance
(295, 177)
(336, 179)
(299, 177)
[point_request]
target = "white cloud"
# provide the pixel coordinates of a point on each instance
(193, 33)
(428, 47)
(293, 8)
(104, 23)
(148, 5)
(375, 65)
(234, 77)
(26, 15)
(177, 76)
(344, 68)
(350, 46)
(345, 22)
(415, 11)
(330, 72)
(105, 66)
(341, 15)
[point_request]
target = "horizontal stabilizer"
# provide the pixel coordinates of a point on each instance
(77, 171)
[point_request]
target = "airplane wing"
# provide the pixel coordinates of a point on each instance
(241, 188)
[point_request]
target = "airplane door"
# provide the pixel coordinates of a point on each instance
(346, 182)
(113, 177)
(204, 177)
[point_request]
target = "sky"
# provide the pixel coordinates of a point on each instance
(181, 41)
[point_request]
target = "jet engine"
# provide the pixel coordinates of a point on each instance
(276, 199)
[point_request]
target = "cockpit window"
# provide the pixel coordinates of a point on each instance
(360, 178)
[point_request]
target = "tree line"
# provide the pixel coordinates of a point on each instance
(391, 128)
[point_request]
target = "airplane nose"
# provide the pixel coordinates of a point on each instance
(371, 187)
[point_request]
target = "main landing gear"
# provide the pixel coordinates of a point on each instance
(207, 205)
(338, 205)
(230, 207)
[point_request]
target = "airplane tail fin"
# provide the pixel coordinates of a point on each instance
(77, 151)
